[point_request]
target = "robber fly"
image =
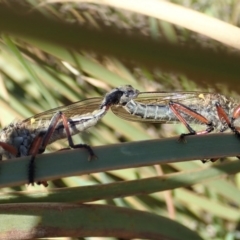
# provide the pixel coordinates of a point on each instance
(213, 110)
(32, 135)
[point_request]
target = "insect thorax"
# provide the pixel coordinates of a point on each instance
(18, 136)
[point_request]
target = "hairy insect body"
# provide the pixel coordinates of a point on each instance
(77, 124)
(22, 134)
(31, 136)
(18, 136)
(155, 107)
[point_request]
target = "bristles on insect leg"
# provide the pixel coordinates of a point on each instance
(31, 171)
(88, 148)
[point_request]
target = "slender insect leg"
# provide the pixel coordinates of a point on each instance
(34, 150)
(70, 141)
(105, 107)
(236, 114)
(41, 141)
(39, 144)
(230, 123)
(224, 118)
(9, 148)
(177, 108)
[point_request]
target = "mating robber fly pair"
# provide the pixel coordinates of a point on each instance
(32, 135)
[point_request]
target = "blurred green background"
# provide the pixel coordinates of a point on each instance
(33, 80)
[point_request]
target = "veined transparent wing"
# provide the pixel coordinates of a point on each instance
(87, 106)
(194, 100)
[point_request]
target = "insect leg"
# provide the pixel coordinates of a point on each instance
(70, 141)
(236, 114)
(9, 148)
(230, 123)
(38, 146)
(177, 108)
(34, 150)
(41, 141)
(224, 118)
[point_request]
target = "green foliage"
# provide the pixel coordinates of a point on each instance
(38, 44)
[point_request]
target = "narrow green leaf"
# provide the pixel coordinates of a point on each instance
(75, 220)
(121, 156)
(205, 63)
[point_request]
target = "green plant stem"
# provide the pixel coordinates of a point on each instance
(120, 156)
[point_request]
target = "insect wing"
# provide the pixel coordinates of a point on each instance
(162, 99)
(74, 109)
